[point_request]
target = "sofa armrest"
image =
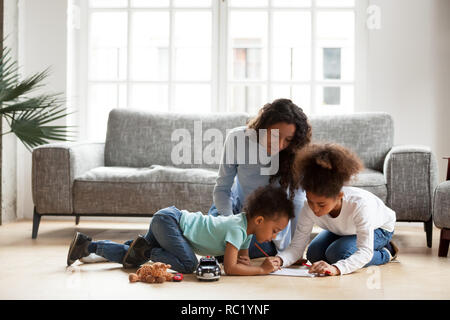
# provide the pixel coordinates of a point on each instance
(411, 176)
(54, 168)
(441, 205)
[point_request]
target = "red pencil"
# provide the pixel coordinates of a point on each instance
(256, 245)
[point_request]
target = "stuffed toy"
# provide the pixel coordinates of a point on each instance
(152, 273)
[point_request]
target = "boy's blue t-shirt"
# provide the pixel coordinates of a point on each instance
(208, 235)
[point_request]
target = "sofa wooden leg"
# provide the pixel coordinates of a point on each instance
(77, 220)
(444, 242)
(36, 221)
(429, 232)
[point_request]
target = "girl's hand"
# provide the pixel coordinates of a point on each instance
(300, 262)
(321, 267)
(270, 264)
(244, 260)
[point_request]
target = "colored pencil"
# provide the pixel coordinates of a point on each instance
(260, 249)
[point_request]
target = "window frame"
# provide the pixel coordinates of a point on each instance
(360, 47)
(221, 59)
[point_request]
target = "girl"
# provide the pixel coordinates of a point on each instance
(236, 180)
(175, 236)
(358, 226)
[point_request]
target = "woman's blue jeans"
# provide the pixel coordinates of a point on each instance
(331, 247)
(253, 251)
(168, 245)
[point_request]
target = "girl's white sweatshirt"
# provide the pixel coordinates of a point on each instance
(362, 212)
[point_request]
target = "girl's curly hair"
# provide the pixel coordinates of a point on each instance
(284, 110)
(324, 169)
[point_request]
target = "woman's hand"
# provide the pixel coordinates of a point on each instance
(244, 260)
(321, 267)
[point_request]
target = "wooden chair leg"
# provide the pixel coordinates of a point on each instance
(77, 220)
(429, 232)
(444, 242)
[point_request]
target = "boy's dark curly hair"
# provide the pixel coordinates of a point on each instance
(323, 169)
(270, 202)
(284, 110)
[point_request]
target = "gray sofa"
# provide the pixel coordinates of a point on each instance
(441, 216)
(132, 173)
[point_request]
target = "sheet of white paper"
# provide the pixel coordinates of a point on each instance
(293, 272)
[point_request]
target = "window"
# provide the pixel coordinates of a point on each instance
(215, 55)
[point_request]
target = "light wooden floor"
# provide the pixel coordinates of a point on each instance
(36, 269)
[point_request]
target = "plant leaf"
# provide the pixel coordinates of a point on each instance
(24, 87)
(28, 117)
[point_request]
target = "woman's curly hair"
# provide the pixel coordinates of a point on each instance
(324, 169)
(284, 110)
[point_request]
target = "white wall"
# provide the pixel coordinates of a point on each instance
(42, 44)
(9, 153)
(441, 77)
(407, 71)
(400, 69)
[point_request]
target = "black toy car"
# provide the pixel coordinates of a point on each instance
(208, 269)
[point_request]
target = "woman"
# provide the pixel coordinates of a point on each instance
(281, 120)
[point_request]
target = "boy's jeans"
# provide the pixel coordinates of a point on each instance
(331, 247)
(165, 237)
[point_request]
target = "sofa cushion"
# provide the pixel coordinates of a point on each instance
(124, 190)
(140, 139)
(369, 135)
(372, 181)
